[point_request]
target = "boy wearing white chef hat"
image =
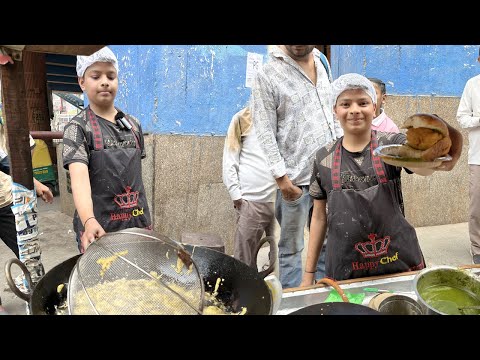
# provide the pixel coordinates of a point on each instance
(367, 232)
(103, 148)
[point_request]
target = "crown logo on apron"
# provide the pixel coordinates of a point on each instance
(128, 199)
(374, 247)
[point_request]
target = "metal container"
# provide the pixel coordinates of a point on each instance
(400, 305)
(449, 277)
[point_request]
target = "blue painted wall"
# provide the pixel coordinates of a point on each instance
(410, 69)
(184, 89)
(196, 89)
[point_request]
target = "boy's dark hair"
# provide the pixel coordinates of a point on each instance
(478, 51)
(380, 83)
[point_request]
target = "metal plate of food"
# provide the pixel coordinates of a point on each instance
(390, 155)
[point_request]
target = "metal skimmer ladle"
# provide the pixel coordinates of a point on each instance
(135, 272)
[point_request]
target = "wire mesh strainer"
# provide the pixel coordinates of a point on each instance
(135, 272)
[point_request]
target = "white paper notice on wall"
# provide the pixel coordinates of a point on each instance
(254, 63)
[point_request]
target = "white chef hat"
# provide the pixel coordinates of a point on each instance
(102, 55)
(353, 81)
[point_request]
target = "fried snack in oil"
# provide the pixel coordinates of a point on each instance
(125, 296)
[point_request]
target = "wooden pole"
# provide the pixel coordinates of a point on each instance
(17, 131)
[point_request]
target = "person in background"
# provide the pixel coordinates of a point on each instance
(363, 194)
(468, 116)
(292, 115)
(250, 185)
(382, 122)
(102, 150)
(8, 231)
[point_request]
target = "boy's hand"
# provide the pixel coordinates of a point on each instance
(308, 279)
(93, 230)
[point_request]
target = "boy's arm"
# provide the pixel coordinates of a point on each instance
(82, 197)
(318, 229)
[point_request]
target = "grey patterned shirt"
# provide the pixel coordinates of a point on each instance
(78, 140)
(293, 118)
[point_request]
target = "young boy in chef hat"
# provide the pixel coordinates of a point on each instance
(102, 150)
(367, 232)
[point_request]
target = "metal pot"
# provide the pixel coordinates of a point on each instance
(44, 298)
(443, 290)
(396, 304)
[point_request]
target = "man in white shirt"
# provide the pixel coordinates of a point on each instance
(251, 186)
(468, 116)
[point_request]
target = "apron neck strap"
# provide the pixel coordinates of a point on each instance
(97, 133)
(337, 164)
(376, 161)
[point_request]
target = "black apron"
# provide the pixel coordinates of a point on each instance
(118, 195)
(367, 232)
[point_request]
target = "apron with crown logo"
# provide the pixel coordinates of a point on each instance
(367, 232)
(118, 194)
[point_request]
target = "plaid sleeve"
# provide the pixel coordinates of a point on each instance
(75, 147)
(316, 190)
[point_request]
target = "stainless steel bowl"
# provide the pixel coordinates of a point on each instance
(448, 276)
(400, 305)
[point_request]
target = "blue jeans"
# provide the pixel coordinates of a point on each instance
(292, 217)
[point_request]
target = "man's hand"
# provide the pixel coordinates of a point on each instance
(93, 230)
(43, 191)
(237, 204)
(289, 191)
(292, 193)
